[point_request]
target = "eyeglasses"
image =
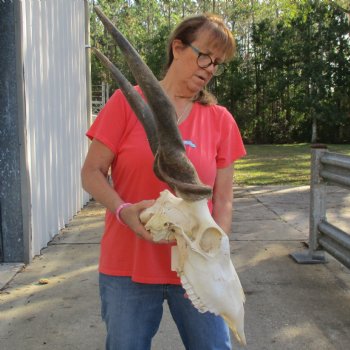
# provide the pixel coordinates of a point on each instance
(204, 61)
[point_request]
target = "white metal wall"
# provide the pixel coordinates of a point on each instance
(56, 113)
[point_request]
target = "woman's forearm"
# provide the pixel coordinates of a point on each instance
(222, 198)
(96, 183)
(94, 175)
(222, 214)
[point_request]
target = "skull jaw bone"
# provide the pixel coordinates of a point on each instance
(201, 257)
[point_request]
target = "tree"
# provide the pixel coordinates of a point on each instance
(290, 78)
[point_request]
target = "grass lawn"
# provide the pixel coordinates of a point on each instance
(278, 164)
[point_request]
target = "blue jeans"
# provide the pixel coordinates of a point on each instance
(133, 311)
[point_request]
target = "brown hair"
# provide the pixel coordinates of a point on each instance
(187, 32)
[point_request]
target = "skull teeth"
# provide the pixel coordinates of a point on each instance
(195, 299)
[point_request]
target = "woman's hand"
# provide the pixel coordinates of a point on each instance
(131, 216)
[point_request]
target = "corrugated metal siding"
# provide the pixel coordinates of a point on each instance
(55, 88)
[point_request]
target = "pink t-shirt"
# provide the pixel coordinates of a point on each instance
(212, 140)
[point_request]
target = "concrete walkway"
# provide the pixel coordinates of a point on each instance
(53, 303)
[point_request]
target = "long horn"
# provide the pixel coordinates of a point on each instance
(141, 109)
(171, 163)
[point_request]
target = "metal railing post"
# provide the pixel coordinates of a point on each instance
(314, 255)
(317, 202)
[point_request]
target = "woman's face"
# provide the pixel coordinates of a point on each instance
(192, 77)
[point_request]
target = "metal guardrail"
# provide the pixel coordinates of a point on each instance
(99, 96)
(332, 169)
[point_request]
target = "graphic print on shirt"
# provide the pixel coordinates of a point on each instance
(189, 143)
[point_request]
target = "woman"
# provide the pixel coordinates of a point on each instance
(135, 274)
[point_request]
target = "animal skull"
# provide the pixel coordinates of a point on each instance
(201, 257)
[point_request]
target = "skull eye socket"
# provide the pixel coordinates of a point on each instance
(211, 240)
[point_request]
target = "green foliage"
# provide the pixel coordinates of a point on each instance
(291, 71)
(299, 68)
